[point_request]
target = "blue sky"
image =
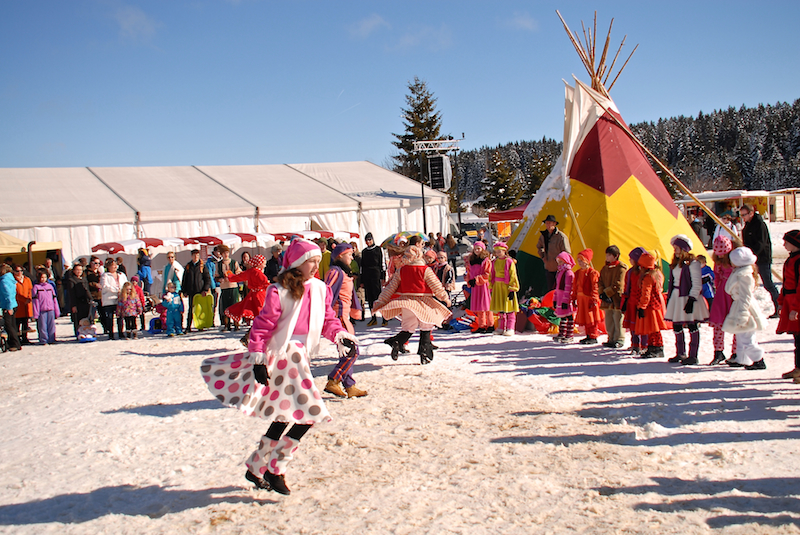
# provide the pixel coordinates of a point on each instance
(215, 82)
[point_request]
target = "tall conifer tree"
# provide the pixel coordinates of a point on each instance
(502, 189)
(422, 122)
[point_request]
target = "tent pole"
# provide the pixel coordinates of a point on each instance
(575, 220)
(664, 168)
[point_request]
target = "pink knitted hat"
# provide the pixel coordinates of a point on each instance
(722, 245)
(479, 245)
(298, 252)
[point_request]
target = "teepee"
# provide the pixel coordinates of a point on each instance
(602, 189)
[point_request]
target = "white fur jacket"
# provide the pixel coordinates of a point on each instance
(744, 315)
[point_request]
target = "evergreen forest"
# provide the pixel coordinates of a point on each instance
(745, 148)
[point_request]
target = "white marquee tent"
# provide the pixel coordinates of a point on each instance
(82, 207)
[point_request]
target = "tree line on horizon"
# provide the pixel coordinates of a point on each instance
(746, 148)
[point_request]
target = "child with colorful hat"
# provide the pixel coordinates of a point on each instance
(789, 321)
(650, 307)
(721, 304)
(505, 285)
(685, 308)
(586, 293)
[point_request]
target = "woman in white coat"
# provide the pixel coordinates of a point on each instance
(110, 284)
(744, 318)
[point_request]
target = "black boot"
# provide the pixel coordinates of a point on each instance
(277, 483)
(425, 350)
(257, 481)
(397, 341)
(719, 358)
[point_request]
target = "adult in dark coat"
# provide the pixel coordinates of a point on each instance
(273, 266)
(755, 235)
(80, 298)
(372, 273)
(195, 280)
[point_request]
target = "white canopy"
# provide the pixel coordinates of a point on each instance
(82, 207)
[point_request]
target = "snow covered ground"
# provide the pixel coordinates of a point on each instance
(498, 435)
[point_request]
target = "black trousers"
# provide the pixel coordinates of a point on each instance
(10, 323)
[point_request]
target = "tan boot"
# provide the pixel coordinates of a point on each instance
(791, 374)
(355, 392)
(335, 388)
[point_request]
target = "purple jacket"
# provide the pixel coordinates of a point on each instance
(43, 298)
(562, 293)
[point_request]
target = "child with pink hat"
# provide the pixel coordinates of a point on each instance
(274, 380)
(479, 271)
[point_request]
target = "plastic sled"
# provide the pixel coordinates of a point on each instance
(203, 311)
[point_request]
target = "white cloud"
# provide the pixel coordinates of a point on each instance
(134, 24)
(367, 26)
(523, 21)
(429, 37)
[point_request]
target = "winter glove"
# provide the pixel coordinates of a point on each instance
(706, 279)
(345, 343)
(640, 312)
(471, 283)
(260, 373)
(606, 299)
(623, 304)
(510, 296)
(689, 305)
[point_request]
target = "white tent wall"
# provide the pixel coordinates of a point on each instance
(203, 227)
(78, 240)
(346, 221)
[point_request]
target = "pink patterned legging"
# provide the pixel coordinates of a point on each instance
(719, 338)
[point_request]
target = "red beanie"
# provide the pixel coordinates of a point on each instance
(587, 254)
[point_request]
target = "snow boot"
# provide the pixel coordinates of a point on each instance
(397, 342)
(757, 365)
(719, 358)
(690, 361)
(652, 352)
(278, 461)
(425, 349)
(335, 388)
(259, 482)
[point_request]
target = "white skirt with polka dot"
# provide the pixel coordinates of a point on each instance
(291, 395)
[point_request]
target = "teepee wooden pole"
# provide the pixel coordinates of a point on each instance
(664, 168)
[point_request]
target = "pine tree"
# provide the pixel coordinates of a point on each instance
(502, 188)
(422, 122)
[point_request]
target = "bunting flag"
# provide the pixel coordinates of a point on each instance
(603, 192)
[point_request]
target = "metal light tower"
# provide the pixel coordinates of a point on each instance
(439, 146)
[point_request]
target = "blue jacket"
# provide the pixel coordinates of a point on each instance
(708, 281)
(211, 266)
(8, 292)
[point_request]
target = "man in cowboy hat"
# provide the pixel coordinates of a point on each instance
(552, 243)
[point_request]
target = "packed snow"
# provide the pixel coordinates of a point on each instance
(498, 435)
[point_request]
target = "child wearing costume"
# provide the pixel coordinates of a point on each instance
(744, 317)
(789, 321)
(346, 305)
(128, 308)
(174, 304)
(505, 285)
(650, 307)
(274, 381)
(630, 302)
(257, 283)
(45, 308)
(721, 304)
(479, 268)
(562, 297)
(610, 287)
(585, 293)
(684, 306)
(416, 286)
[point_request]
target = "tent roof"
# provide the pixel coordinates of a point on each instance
(373, 186)
(38, 197)
(62, 197)
(279, 189)
(172, 193)
(512, 214)
(11, 245)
